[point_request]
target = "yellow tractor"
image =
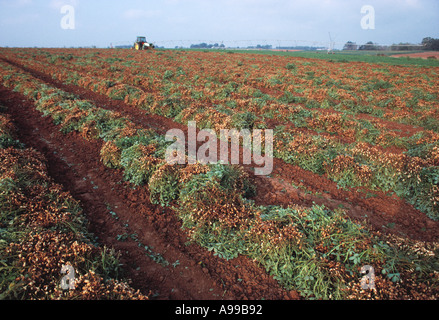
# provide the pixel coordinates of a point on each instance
(142, 44)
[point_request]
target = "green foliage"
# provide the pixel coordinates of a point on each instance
(171, 107)
(119, 92)
(9, 189)
(226, 91)
(7, 141)
(300, 118)
(421, 193)
(225, 243)
(368, 133)
(304, 267)
(168, 74)
(289, 98)
(317, 161)
(291, 66)
(230, 180)
(108, 126)
(377, 84)
(142, 136)
(422, 151)
(138, 165)
(244, 120)
(164, 186)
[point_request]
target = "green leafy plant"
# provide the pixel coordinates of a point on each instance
(164, 186)
(245, 120)
(139, 163)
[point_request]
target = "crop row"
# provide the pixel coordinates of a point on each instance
(354, 157)
(313, 250)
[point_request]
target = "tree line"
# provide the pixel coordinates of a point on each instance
(427, 43)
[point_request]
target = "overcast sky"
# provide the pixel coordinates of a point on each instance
(29, 23)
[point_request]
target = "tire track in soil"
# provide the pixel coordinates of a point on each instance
(196, 274)
(378, 212)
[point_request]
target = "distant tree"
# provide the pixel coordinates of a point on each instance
(427, 41)
(205, 46)
(266, 47)
(369, 46)
(430, 43)
(199, 46)
(350, 46)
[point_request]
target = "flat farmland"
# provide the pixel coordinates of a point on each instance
(354, 183)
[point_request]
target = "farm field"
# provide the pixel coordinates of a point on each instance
(355, 179)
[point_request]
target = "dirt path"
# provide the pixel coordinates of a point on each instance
(379, 210)
(124, 218)
(422, 55)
